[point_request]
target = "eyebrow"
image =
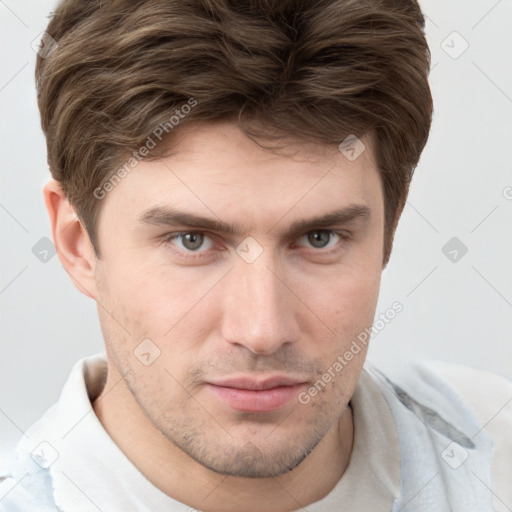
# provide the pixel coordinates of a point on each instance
(170, 217)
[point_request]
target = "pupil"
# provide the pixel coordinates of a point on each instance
(192, 240)
(319, 238)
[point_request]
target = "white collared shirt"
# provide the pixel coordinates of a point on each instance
(68, 462)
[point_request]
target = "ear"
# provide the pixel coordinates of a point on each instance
(71, 239)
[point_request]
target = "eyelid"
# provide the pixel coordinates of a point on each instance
(344, 235)
(168, 239)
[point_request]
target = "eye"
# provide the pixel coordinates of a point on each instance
(320, 239)
(191, 241)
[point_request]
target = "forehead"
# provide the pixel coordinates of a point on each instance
(217, 170)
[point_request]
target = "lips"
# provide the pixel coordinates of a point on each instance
(256, 384)
(263, 394)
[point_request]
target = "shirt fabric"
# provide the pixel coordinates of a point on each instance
(418, 446)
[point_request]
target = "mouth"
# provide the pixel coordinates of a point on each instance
(252, 394)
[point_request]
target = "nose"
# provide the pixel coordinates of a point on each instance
(258, 308)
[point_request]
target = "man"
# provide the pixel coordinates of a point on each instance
(227, 181)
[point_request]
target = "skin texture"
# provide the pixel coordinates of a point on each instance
(292, 311)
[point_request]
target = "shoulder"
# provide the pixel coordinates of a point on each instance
(26, 482)
(472, 408)
(489, 395)
(26, 486)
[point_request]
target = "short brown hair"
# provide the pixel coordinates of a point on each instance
(316, 70)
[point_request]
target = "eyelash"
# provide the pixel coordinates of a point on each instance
(345, 237)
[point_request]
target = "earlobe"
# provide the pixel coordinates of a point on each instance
(71, 239)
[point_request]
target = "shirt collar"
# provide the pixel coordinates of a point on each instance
(372, 478)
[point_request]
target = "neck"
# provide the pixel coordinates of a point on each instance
(185, 480)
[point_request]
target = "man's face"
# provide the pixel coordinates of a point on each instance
(246, 318)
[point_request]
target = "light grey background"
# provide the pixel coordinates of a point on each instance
(455, 311)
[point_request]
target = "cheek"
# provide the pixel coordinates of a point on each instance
(345, 307)
(343, 301)
(349, 314)
(345, 294)
(159, 299)
(357, 296)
